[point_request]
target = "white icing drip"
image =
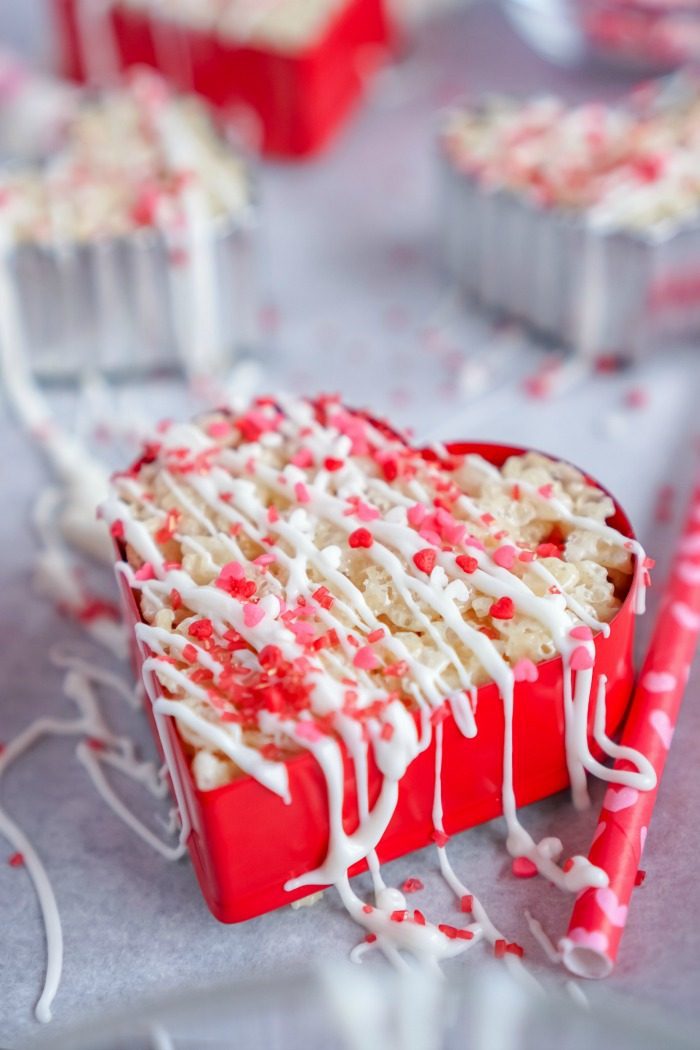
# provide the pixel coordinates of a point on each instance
(237, 473)
(545, 942)
(89, 724)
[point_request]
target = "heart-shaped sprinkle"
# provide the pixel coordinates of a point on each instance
(581, 633)
(581, 659)
(503, 609)
(360, 538)
(425, 560)
(525, 671)
(505, 556)
(523, 868)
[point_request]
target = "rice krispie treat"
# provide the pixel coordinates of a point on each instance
(301, 563)
(628, 167)
(133, 158)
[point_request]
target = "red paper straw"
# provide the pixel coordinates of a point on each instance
(599, 915)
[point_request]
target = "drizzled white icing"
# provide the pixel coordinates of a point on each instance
(97, 746)
(251, 537)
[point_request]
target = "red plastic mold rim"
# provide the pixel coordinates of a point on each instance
(245, 842)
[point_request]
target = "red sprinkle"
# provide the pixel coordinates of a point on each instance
(387, 732)
(117, 529)
(440, 838)
(397, 670)
(324, 597)
(175, 599)
(367, 909)
(15, 860)
(640, 877)
(370, 938)
(361, 538)
(466, 903)
(376, 636)
(515, 949)
(419, 918)
(503, 609)
(333, 464)
(425, 560)
(567, 865)
(523, 868)
(201, 629)
(189, 653)
(399, 916)
(499, 948)
(466, 563)
(365, 658)
(412, 885)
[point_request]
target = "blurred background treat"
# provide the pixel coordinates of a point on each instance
(639, 36)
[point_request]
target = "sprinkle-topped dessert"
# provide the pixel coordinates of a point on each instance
(134, 158)
(629, 167)
(307, 580)
(299, 562)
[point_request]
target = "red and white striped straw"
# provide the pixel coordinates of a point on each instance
(599, 915)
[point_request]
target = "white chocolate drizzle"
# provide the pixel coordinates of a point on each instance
(217, 485)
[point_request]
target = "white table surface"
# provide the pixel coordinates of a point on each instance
(348, 269)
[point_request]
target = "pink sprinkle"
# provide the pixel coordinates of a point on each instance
(546, 491)
(303, 458)
(366, 658)
(264, 559)
(301, 492)
(146, 572)
(581, 633)
(15, 860)
(416, 514)
(232, 571)
(308, 731)
(376, 636)
(505, 556)
(523, 868)
(366, 513)
(253, 614)
(525, 671)
(219, 428)
(430, 536)
(581, 659)
(636, 397)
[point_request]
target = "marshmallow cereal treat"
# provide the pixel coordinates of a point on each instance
(307, 581)
(624, 167)
(138, 232)
(590, 191)
(133, 158)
